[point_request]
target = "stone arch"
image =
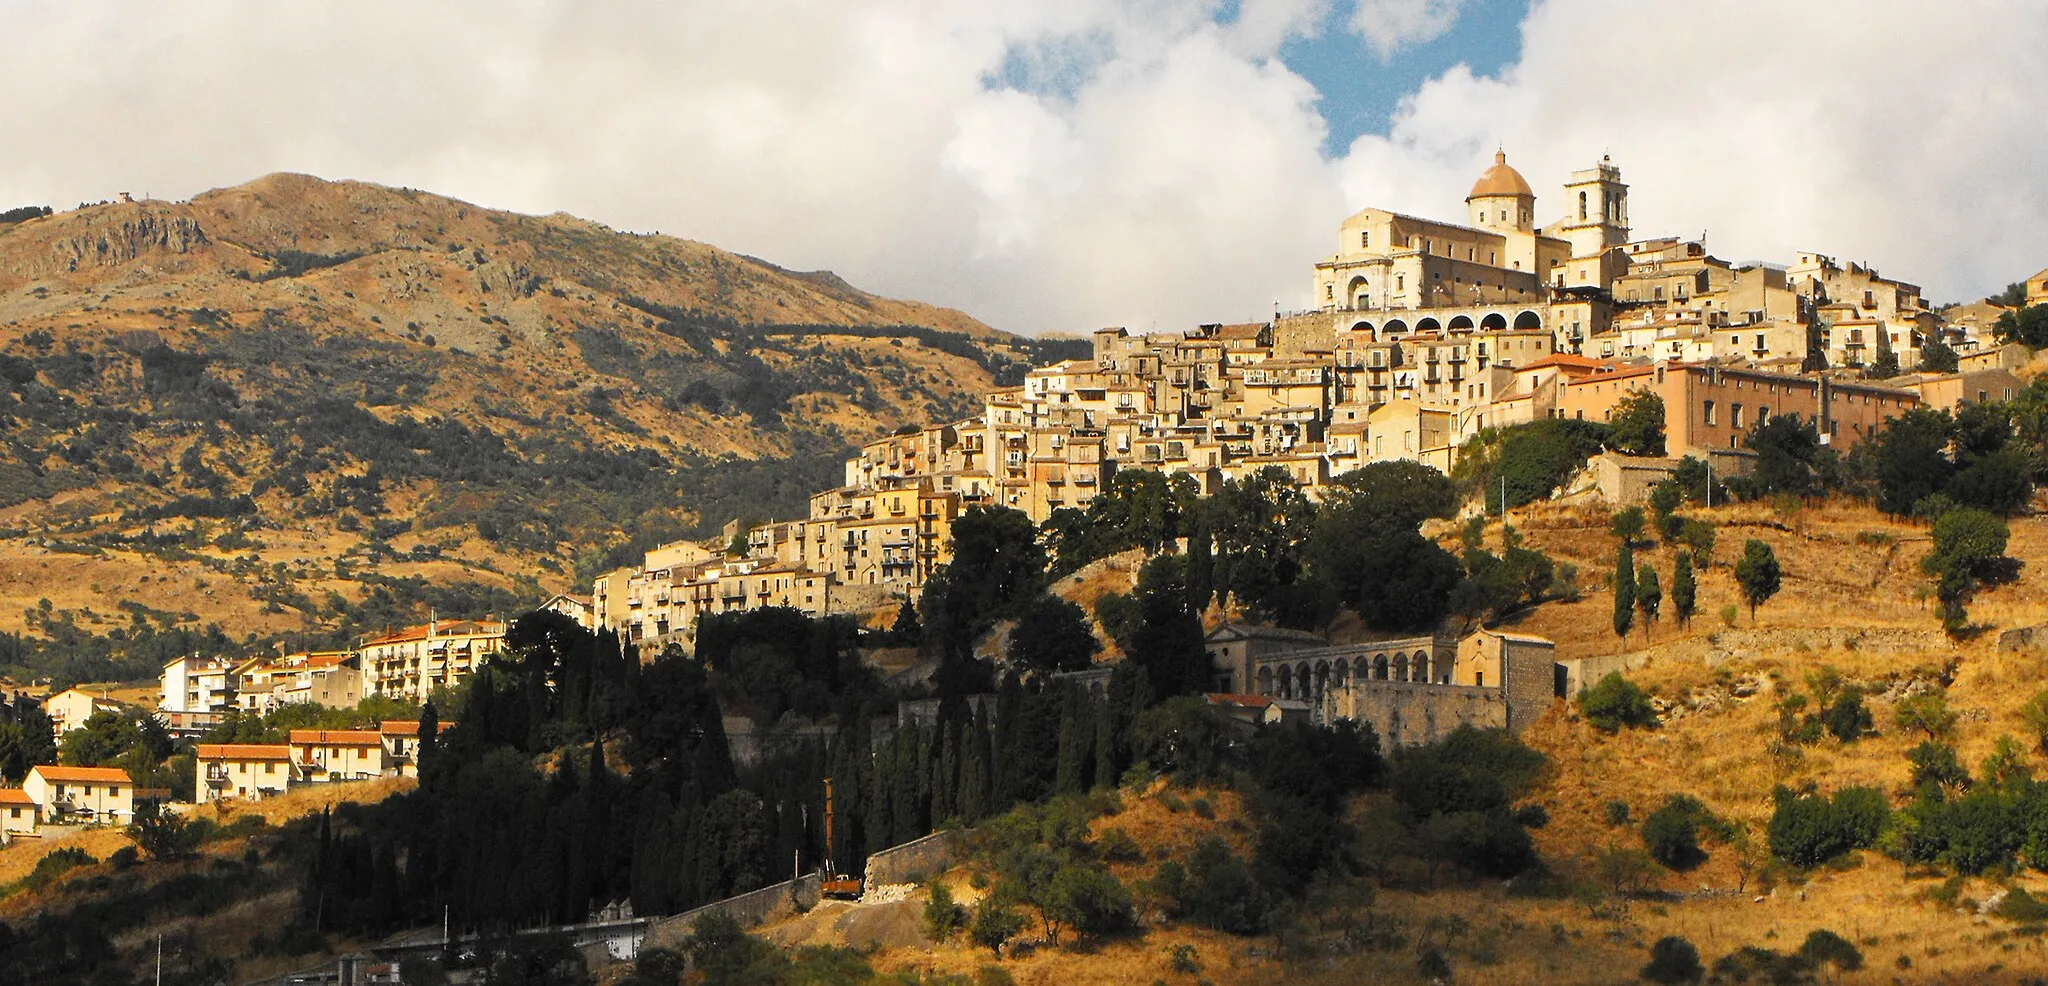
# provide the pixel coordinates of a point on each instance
(1095, 689)
(1379, 667)
(1362, 326)
(1528, 320)
(1421, 666)
(1400, 667)
(1494, 322)
(1322, 677)
(1395, 327)
(1461, 322)
(1265, 680)
(1304, 683)
(1354, 293)
(1429, 324)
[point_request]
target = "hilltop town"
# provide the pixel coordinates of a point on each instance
(1295, 647)
(1431, 334)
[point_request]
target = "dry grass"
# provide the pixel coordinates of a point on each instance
(1852, 600)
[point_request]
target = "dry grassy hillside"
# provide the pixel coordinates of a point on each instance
(267, 405)
(1852, 600)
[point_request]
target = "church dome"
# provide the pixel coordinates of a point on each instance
(1500, 180)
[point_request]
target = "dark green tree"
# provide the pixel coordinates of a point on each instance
(1052, 635)
(1758, 575)
(1649, 594)
(1624, 591)
(1636, 425)
(1684, 590)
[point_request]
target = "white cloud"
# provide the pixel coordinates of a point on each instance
(1871, 132)
(1390, 25)
(1064, 164)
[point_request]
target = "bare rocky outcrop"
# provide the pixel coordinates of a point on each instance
(135, 234)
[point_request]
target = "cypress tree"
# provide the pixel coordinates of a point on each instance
(1684, 591)
(974, 768)
(1075, 742)
(1003, 785)
(945, 783)
(1649, 595)
(600, 848)
(1105, 771)
(880, 797)
(1624, 592)
(1201, 564)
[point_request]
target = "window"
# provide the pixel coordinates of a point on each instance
(1707, 411)
(1735, 415)
(1364, 239)
(1582, 205)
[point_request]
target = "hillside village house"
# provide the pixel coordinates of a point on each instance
(19, 814)
(332, 755)
(326, 678)
(1427, 333)
(241, 770)
(197, 684)
(2037, 288)
(90, 795)
(401, 738)
(70, 708)
(409, 664)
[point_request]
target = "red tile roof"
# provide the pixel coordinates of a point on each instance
(51, 772)
(335, 737)
(242, 751)
(15, 796)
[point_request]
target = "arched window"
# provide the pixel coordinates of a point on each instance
(1582, 206)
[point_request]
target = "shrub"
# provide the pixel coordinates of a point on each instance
(55, 864)
(1847, 718)
(1824, 947)
(1615, 702)
(995, 922)
(1809, 829)
(1928, 713)
(1617, 813)
(1673, 962)
(943, 918)
(1672, 832)
(1215, 889)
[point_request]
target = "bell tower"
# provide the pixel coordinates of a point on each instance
(1598, 204)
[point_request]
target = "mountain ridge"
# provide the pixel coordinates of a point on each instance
(350, 380)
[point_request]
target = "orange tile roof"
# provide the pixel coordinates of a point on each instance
(243, 751)
(1235, 698)
(1566, 360)
(52, 772)
(407, 727)
(442, 628)
(15, 796)
(335, 737)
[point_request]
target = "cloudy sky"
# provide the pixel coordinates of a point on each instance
(1065, 164)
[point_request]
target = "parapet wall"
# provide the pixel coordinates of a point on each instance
(917, 858)
(749, 909)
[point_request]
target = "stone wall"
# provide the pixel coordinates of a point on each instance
(917, 858)
(1714, 649)
(1411, 713)
(749, 909)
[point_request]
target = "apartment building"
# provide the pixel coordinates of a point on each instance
(328, 678)
(70, 708)
(245, 771)
(409, 664)
(197, 684)
(331, 755)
